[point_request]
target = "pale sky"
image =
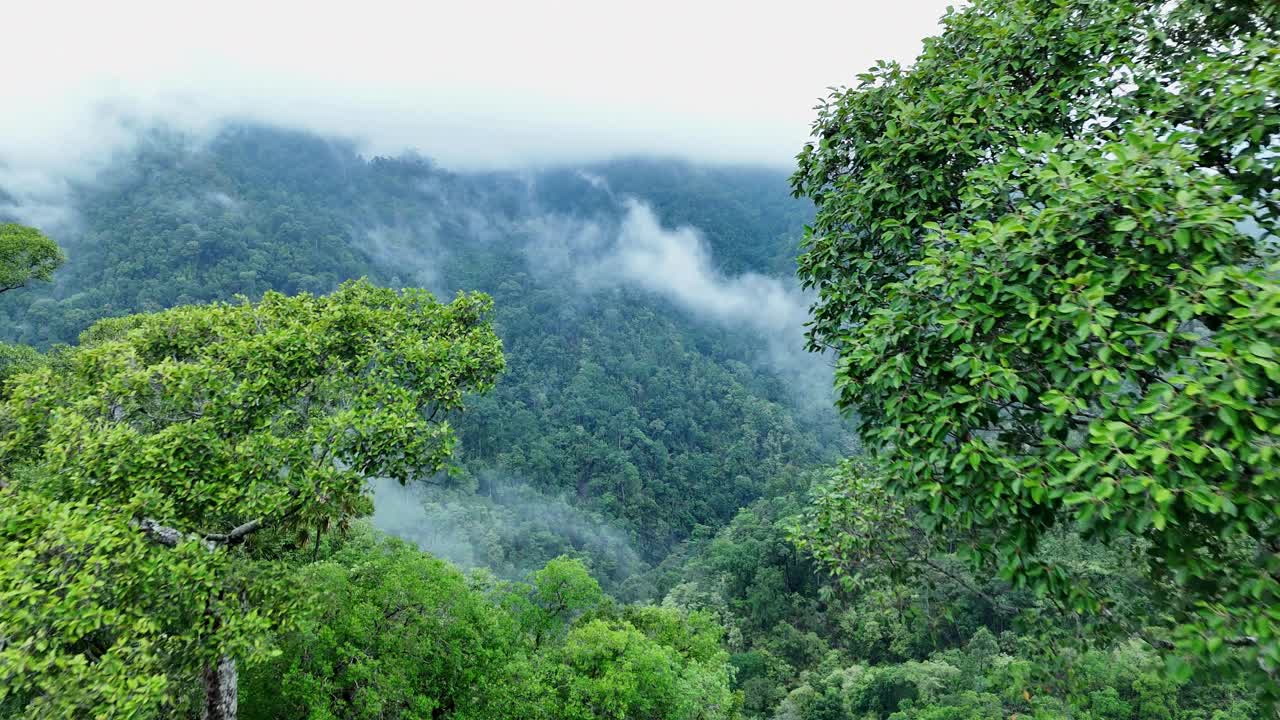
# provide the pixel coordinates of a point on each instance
(472, 84)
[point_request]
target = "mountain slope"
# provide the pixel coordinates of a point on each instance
(621, 401)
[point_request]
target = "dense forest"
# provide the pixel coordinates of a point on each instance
(656, 420)
(971, 416)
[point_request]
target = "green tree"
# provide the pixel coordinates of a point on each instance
(26, 255)
(391, 633)
(1045, 257)
(562, 591)
(196, 428)
(16, 359)
(611, 670)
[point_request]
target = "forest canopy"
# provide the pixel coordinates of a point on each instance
(1045, 255)
(1042, 259)
(139, 468)
(26, 255)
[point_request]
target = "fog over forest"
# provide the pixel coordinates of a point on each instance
(468, 85)
(596, 361)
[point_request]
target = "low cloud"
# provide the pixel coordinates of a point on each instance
(626, 248)
(416, 253)
(637, 251)
(677, 263)
(511, 529)
(470, 84)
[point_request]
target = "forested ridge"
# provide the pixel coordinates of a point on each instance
(612, 396)
(287, 431)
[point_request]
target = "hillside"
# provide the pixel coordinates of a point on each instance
(637, 412)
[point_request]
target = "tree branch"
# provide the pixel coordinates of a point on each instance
(162, 534)
(170, 537)
(966, 584)
(240, 533)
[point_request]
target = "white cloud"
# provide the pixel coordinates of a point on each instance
(676, 263)
(473, 84)
(637, 251)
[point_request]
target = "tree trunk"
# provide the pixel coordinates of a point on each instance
(220, 690)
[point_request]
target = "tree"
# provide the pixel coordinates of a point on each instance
(26, 255)
(392, 633)
(661, 666)
(863, 533)
(197, 429)
(1045, 256)
(561, 591)
(17, 359)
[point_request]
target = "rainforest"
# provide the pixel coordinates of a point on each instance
(969, 411)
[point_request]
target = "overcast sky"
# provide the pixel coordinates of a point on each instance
(470, 83)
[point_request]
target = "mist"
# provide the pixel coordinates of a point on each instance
(626, 248)
(469, 84)
(417, 253)
(677, 264)
(512, 528)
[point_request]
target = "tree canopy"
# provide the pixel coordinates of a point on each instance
(138, 471)
(1045, 256)
(26, 255)
(395, 633)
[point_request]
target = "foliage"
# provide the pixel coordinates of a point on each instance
(931, 640)
(562, 590)
(613, 670)
(614, 402)
(195, 428)
(1045, 256)
(394, 633)
(80, 594)
(389, 632)
(26, 255)
(970, 684)
(17, 359)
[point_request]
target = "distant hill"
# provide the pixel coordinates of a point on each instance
(648, 416)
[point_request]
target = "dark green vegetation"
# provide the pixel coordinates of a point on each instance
(145, 460)
(637, 411)
(941, 643)
(1043, 257)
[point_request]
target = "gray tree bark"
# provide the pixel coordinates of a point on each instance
(220, 691)
(221, 679)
